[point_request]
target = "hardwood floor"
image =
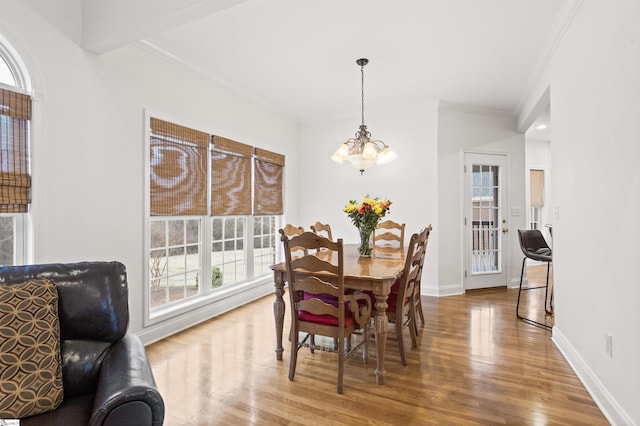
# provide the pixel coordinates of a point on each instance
(475, 364)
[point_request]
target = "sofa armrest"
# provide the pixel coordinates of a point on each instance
(126, 392)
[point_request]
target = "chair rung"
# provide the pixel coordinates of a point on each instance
(317, 347)
(322, 348)
(303, 342)
(533, 288)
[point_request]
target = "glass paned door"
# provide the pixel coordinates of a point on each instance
(485, 220)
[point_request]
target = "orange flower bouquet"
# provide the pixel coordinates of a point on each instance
(365, 216)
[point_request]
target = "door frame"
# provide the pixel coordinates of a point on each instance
(466, 273)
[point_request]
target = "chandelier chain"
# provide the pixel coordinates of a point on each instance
(362, 94)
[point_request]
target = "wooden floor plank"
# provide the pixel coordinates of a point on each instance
(475, 364)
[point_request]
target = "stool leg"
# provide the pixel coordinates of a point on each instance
(520, 289)
(546, 292)
(530, 321)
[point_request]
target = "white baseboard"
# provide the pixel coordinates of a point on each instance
(515, 282)
(603, 399)
(447, 290)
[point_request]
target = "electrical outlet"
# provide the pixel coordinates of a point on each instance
(608, 348)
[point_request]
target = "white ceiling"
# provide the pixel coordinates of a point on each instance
(298, 57)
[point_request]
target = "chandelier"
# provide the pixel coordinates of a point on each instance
(361, 151)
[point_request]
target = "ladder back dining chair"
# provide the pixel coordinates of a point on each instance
(319, 305)
(402, 299)
(423, 238)
(401, 303)
(389, 233)
(320, 228)
(292, 230)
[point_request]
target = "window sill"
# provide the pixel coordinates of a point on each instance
(202, 302)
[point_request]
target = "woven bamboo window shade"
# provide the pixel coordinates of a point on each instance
(15, 177)
(230, 177)
(178, 170)
(536, 188)
(268, 183)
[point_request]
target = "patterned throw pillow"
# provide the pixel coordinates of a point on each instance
(30, 366)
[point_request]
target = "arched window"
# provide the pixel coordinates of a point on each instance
(6, 76)
(15, 158)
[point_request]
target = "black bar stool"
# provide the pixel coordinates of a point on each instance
(535, 247)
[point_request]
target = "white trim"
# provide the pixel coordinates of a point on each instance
(446, 290)
(200, 72)
(146, 213)
(175, 325)
(506, 177)
(475, 109)
(555, 35)
(109, 25)
(16, 66)
(515, 282)
(416, 106)
(170, 319)
(30, 227)
(614, 413)
(185, 307)
(23, 235)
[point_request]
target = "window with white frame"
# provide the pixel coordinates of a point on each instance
(212, 221)
(265, 239)
(15, 159)
(174, 260)
(228, 257)
(536, 198)
(534, 217)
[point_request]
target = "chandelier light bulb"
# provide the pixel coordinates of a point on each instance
(341, 154)
(369, 151)
(386, 156)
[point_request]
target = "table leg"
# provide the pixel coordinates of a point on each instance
(381, 323)
(278, 311)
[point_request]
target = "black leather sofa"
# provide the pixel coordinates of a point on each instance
(107, 379)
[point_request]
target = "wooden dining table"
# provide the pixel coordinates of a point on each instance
(376, 273)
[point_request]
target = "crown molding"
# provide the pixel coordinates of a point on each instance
(108, 25)
(554, 38)
(476, 109)
(189, 67)
(371, 112)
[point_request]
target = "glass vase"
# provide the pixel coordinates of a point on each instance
(364, 249)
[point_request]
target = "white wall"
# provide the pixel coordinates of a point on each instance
(537, 157)
(594, 77)
(423, 183)
(89, 141)
(595, 98)
(459, 130)
(410, 181)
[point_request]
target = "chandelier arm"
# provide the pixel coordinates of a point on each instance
(379, 144)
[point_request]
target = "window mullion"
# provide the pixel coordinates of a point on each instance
(248, 246)
(205, 255)
(165, 278)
